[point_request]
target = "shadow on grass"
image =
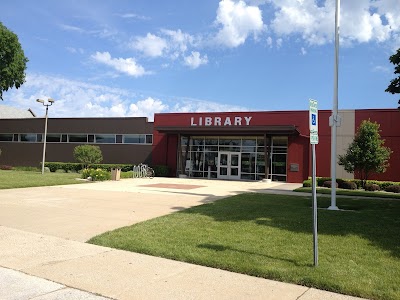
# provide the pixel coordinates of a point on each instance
(374, 220)
(221, 248)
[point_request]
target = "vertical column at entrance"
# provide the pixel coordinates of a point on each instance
(266, 156)
(179, 169)
(171, 150)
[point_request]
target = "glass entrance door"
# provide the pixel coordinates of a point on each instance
(228, 165)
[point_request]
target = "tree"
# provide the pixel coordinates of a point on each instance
(394, 86)
(12, 61)
(366, 154)
(88, 154)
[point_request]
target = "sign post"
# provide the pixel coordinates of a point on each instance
(313, 116)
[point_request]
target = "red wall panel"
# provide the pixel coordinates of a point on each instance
(389, 120)
(298, 153)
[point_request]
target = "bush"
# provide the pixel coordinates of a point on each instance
(76, 167)
(5, 167)
(321, 180)
(307, 183)
(328, 184)
(358, 182)
(393, 189)
(128, 174)
(61, 171)
(161, 171)
(348, 185)
(96, 174)
(88, 155)
(371, 187)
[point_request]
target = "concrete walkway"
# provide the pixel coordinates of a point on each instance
(43, 255)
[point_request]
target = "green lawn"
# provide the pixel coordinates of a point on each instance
(271, 236)
(376, 194)
(18, 179)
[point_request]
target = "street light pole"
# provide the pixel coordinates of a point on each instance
(47, 104)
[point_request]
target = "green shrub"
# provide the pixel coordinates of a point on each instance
(76, 167)
(348, 185)
(307, 183)
(371, 187)
(61, 171)
(328, 184)
(96, 174)
(384, 184)
(5, 167)
(128, 174)
(321, 180)
(393, 189)
(88, 155)
(358, 182)
(161, 171)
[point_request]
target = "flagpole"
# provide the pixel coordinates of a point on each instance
(334, 117)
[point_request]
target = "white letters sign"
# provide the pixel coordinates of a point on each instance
(220, 121)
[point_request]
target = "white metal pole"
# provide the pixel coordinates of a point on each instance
(334, 117)
(44, 139)
(314, 205)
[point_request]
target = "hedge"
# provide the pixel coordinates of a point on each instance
(349, 183)
(75, 167)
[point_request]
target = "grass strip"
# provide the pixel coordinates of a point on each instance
(11, 179)
(270, 236)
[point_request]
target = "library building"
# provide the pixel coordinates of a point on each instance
(256, 145)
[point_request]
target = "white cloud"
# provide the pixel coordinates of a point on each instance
(303, 51)
(133, 16)
(147, 108)
(279, 43)
(196, 105)
(75, 50)
(72, 28)
(178, 41)
(127, 66)
(194, 60)
(238, 21)
(361, 21)
(269, 42)
(151, 45)
(80, 99)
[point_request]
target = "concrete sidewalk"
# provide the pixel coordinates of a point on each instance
(73, 267)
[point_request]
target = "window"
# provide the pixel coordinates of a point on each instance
(149, 139)
(134, 138)
(27, 137)
(145, 139)
(53, 138)
(77, 138)
(105, 138)
(6, 137)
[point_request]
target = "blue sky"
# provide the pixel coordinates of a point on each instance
(134, 58)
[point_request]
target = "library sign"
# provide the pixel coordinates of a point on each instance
(220, 121)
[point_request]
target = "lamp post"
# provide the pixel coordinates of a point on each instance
(47, 104)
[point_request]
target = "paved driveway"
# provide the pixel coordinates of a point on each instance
(79, 212)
